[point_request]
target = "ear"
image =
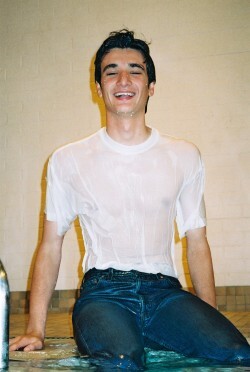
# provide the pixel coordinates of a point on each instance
(98, 89)
(151, 89)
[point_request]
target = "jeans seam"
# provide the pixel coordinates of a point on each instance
(82, 339)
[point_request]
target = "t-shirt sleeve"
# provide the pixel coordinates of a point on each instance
(59, 200)
(191, 213)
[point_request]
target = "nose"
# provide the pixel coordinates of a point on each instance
(123, 78)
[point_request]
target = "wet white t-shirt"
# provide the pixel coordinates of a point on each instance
(127, 199)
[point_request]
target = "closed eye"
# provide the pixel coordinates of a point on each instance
(136, 68)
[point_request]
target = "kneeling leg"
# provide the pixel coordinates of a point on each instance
(190, 326)
(107, 330)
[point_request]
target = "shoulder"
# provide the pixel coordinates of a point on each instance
(182, 148)
(74, 149)
(66, 160)
(185, 156)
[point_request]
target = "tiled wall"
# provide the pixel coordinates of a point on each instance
(47, 99)
(233, 298)
(62, 301)
(228, 299)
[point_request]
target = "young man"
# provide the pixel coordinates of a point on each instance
(128, 184)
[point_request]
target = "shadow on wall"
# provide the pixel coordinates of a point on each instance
(183, 243)
(81, 248)
(95, 98)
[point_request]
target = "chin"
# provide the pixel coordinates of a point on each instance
(125, 113)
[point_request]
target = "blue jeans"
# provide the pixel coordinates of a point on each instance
(119, 313)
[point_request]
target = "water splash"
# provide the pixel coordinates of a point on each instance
(157, 361)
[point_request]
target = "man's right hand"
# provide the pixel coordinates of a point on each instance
(28, 342)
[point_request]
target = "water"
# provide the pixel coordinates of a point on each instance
(4, 318)
(157, 361)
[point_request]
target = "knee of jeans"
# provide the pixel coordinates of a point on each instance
(132, 357)
(235, 354)
(241, 353)
(121, 361)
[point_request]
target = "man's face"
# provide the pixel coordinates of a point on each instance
(124, 82)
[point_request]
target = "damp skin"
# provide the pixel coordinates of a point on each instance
(124, 83)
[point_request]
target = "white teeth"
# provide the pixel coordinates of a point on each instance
(124, 94)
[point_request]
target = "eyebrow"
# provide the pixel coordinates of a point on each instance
(133, 65)
(110, 65)
(137, 65)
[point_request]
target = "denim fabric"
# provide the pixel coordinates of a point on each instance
(119, 313)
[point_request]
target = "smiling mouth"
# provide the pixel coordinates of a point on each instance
(124, 94)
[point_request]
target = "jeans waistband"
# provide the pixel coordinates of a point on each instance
(113, 273)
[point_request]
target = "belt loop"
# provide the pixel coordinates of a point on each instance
(160, 276)
(110, 273)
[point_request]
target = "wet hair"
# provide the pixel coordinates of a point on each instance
(124, 39)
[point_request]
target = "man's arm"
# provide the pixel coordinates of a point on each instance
(200, 265)
(43, 283)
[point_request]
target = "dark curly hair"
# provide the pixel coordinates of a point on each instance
(124, 39)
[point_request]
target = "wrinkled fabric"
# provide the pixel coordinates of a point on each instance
(127, 198)
(121, 312)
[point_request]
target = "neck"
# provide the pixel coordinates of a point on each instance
(127, 130)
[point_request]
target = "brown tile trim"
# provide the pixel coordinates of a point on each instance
(62, 301)
(228, 299)
(233, 298)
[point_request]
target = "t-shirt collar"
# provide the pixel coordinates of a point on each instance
(125, 149)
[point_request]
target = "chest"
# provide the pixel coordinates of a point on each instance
(129, 182)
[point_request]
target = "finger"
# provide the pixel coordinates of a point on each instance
(15, 344)
(14, 340)
(23, 343)
(37, 345)
(18, 346)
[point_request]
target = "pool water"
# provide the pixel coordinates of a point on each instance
(156, 361)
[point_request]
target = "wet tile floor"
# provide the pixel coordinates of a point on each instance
(58, 324)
